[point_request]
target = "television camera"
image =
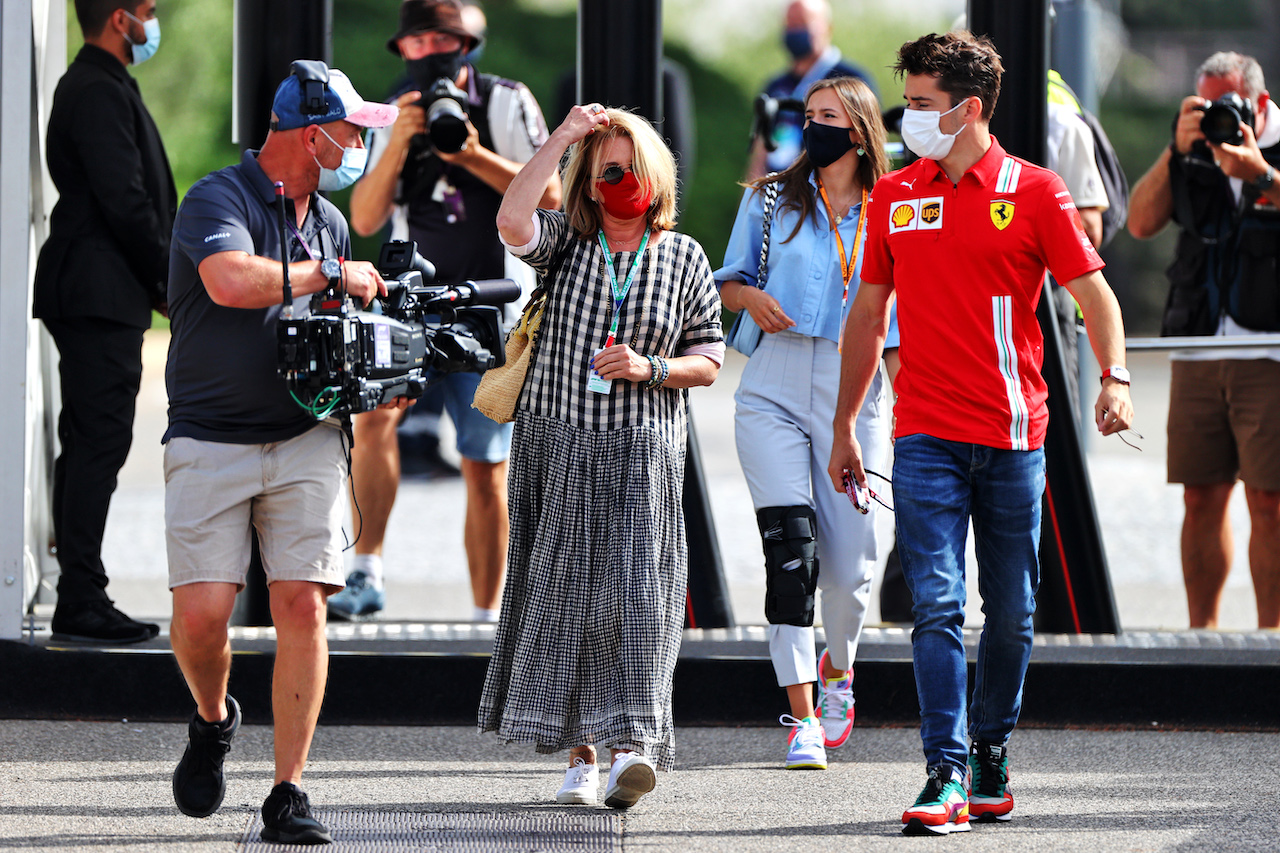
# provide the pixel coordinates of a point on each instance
(340, 360)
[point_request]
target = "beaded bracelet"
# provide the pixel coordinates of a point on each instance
(660, 371)
(654, 372)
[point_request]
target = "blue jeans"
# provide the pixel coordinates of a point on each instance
(938, 486)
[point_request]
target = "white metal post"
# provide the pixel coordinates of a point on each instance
(32, 37)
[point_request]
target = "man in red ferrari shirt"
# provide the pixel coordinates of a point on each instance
(962, 238)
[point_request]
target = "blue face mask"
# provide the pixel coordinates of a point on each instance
(351, 168)
(798, 43)
(146, 50)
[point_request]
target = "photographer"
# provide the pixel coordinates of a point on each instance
(807, 37)
(439, 177)
(241, 457)
(1224, 405)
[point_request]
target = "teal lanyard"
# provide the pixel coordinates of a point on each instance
(619, 294)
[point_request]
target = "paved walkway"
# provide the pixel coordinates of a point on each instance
(105, 786)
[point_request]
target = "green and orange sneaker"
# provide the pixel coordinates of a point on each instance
(991, 798)
(943, 805)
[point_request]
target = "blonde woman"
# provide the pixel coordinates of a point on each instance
(593, 610)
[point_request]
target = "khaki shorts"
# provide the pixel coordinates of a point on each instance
(291, 492)
(1224, 423)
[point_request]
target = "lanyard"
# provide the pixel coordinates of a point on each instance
(298, 234)
(619, 294)
(846, 267)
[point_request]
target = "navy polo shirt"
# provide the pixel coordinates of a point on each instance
(221, 372)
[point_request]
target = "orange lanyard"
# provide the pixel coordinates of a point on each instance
(846, 266)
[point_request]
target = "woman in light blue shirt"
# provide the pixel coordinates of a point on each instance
(787, 399)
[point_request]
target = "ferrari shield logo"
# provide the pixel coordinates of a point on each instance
(1001, 213)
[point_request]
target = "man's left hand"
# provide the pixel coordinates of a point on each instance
(362, 281)
(469, 148)
(1243, 161)
(1114, 410)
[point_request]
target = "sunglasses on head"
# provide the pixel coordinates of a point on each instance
(613, 174)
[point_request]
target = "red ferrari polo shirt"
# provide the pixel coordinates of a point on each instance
(967, 262)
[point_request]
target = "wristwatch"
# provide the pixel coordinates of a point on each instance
(1119, 374)
(331, 269)
(1263, 182)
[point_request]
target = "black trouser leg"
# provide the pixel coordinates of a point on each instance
(100, 364)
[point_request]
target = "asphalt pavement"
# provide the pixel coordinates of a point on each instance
(105, 787)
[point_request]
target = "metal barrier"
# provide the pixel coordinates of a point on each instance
(1202, 342)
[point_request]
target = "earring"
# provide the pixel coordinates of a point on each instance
(860, 150)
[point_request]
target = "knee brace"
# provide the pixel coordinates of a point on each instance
(789, 534)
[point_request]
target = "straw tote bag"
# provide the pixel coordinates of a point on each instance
(500, 387)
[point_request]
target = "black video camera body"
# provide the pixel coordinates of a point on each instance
(1220, 123)
(340, 360)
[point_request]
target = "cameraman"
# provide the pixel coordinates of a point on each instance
(446, 201)
(241, 456)
(1224, 405)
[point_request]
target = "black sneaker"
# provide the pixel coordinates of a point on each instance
(286, 818)
(198, 781)
(98, 622)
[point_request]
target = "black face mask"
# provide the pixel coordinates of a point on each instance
(826, 144)
(426, 71)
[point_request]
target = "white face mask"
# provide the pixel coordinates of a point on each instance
(351, 168)
(146, 50)
(922, 135)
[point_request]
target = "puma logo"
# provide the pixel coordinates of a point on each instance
(911, 185)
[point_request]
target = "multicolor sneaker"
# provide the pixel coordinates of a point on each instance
(943, 805)
(805, 750)
(992, 798)
(361, 600)
(835, 706)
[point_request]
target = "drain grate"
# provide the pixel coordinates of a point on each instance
(368, 831)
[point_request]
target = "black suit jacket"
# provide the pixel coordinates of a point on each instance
(107, 255)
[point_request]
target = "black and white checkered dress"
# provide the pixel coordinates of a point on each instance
(593, 610)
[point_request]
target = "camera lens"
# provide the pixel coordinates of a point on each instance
(1220, 124)
(447, 125)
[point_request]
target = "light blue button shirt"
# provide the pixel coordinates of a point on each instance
(804, 272)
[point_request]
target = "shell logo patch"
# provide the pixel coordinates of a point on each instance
(916, 214)
(1001, 213)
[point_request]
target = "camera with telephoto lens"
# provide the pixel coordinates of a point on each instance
(1220, 123)
(445, 105)
(340, 360)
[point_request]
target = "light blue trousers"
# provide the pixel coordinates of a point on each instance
(785, 405)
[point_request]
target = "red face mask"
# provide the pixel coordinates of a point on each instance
(624, 199)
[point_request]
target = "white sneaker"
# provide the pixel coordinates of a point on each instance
(804, 745)
(630, 778)
(581, 784)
